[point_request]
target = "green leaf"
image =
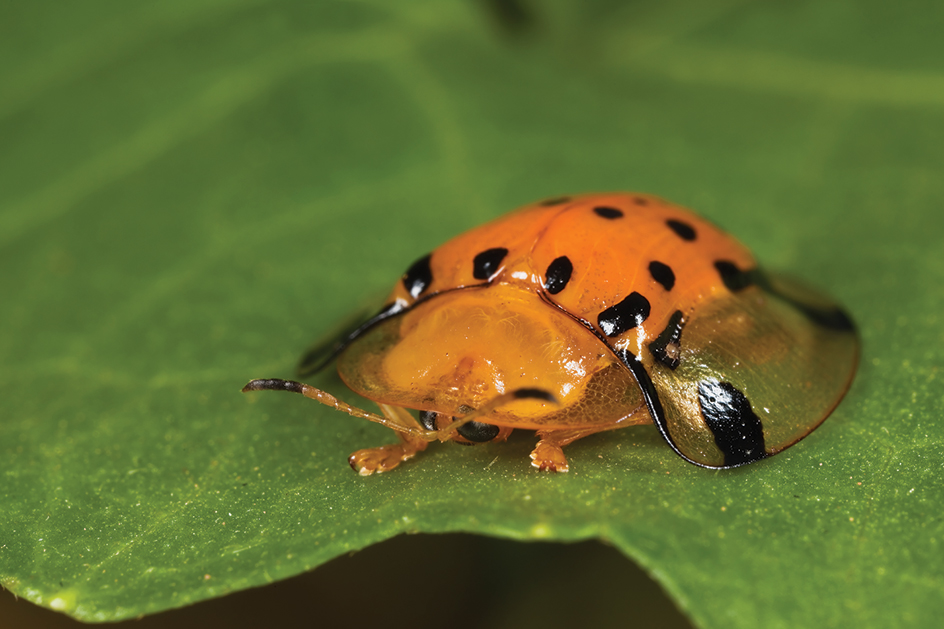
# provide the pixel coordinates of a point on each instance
(192, 192)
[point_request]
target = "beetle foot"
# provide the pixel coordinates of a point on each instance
(549, 457)
(385, 458)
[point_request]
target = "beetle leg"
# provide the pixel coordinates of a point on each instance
(384, 458)
(549, 454)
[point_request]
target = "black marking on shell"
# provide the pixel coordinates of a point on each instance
(608, 212)
(487, 263)
(534, 394)
(649, 393)
(478, 432)
(651, 396)
(682, 229)
(662, 273)
(667, 346)
(418, 277)
(625, 315)
(558, 274)
(737, 430)
(827, 316)
(320, 356)
(734, 278)
(830, 318)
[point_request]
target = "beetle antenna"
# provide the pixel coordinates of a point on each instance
(443, 434)
(310, 392)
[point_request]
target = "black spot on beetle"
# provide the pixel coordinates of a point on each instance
(668, 345)
(640, 201)
(683, 230)
(608, 212)
(418, 277)
(625, 315)
(534, 394)
(662, 273)
(321, 355)
(487, 263)
(829, 318)
(733, 277)
(478, 432)
(737, 430)
(558, 274)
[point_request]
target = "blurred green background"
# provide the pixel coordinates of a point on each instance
(192, 192)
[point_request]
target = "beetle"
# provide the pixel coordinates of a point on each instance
(587, 313)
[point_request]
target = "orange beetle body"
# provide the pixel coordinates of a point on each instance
(589, 313)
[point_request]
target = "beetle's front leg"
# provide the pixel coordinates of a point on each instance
(385, 458)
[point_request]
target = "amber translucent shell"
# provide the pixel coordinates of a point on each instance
(495, 341)
(629, 310)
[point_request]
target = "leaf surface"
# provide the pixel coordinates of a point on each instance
(191, 193)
